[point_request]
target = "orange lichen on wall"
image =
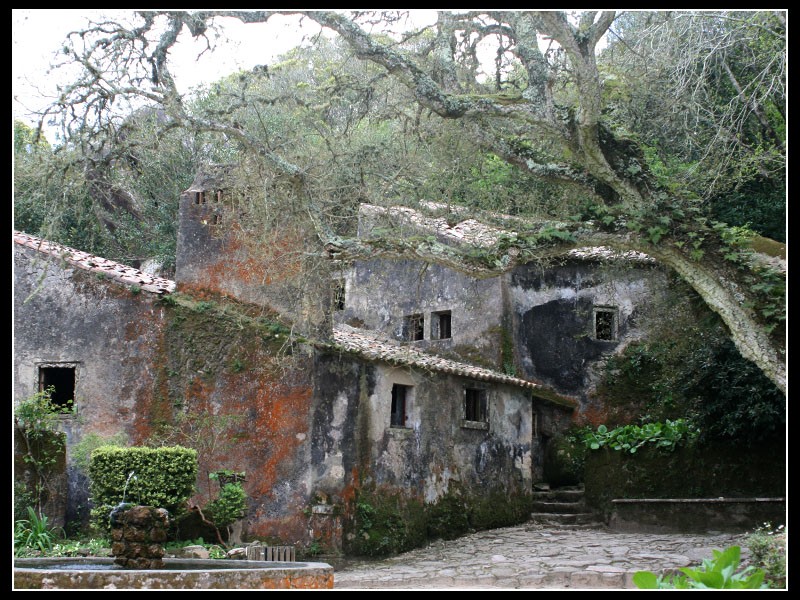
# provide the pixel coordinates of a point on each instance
(142, 409)
(307, 582)
(257, 263)
(280, 423)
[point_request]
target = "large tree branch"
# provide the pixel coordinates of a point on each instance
(500, 252)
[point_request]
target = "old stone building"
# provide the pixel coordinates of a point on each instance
(409, 382)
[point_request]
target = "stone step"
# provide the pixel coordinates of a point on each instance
(558, 495)
(559, 507)
(564, 519)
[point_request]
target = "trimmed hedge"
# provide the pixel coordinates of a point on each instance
(160, 477)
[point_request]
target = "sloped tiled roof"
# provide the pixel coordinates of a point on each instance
(83, 260)
(371, 345)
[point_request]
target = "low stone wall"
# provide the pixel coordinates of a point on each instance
(695, 515)
(176, 574)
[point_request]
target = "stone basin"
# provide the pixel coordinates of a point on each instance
(177, 573)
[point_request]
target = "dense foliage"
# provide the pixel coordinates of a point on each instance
(690, 369)
(37, 428)
(658, 131)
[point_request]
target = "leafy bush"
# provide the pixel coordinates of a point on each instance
(717, 573)
(229, 506)
(629, 438)
(33, 533)
(161, 477)
(767, 546)
(734, 399)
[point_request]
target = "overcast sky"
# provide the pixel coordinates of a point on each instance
(37, 34)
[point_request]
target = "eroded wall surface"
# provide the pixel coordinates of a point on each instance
(162, 373)
(553, 312)
(380, 295)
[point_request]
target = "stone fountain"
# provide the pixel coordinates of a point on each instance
(138, 535)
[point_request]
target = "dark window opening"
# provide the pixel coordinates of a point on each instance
(216, 219)
(414, 328)
(475, 405)
(399, 397)
(441, 324)
(199, 197)
(604, 325)
(338, 296)
(62, 382)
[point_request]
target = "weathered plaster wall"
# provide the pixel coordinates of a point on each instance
(215, 254)
(434, 450)
(308, 427)
(553, 316)
(188, 375)
(379, 294)
(107, 331)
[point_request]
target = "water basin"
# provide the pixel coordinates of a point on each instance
(177, 573)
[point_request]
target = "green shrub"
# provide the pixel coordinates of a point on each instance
(717, 573)
(37, 422)
(767, 546)
(33, 533)
(629, 438)
(161, 477)
(229, 506)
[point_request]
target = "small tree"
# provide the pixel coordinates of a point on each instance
(228, 507)
(43, 446)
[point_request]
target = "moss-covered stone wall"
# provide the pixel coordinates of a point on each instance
(709, 470)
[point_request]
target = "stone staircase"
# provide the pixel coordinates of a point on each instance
(562, 507)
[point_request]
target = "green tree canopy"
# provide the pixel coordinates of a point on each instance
(635, 131)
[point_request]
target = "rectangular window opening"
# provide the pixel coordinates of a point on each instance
(400, 405)
(605, 324)
(441, 325)
(62, 381)
(414, 328)
(338, 295)
(475, 405)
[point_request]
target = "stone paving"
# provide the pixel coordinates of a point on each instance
(532, 556)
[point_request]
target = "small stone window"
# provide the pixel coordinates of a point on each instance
(199, 197)
(414, 328)
(441, 325)
(605, 324)
(401, 403)
(60, 379)
(338, 295)
(476, 414)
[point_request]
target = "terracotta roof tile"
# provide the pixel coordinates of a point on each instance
(371, 345)
(83, 260)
